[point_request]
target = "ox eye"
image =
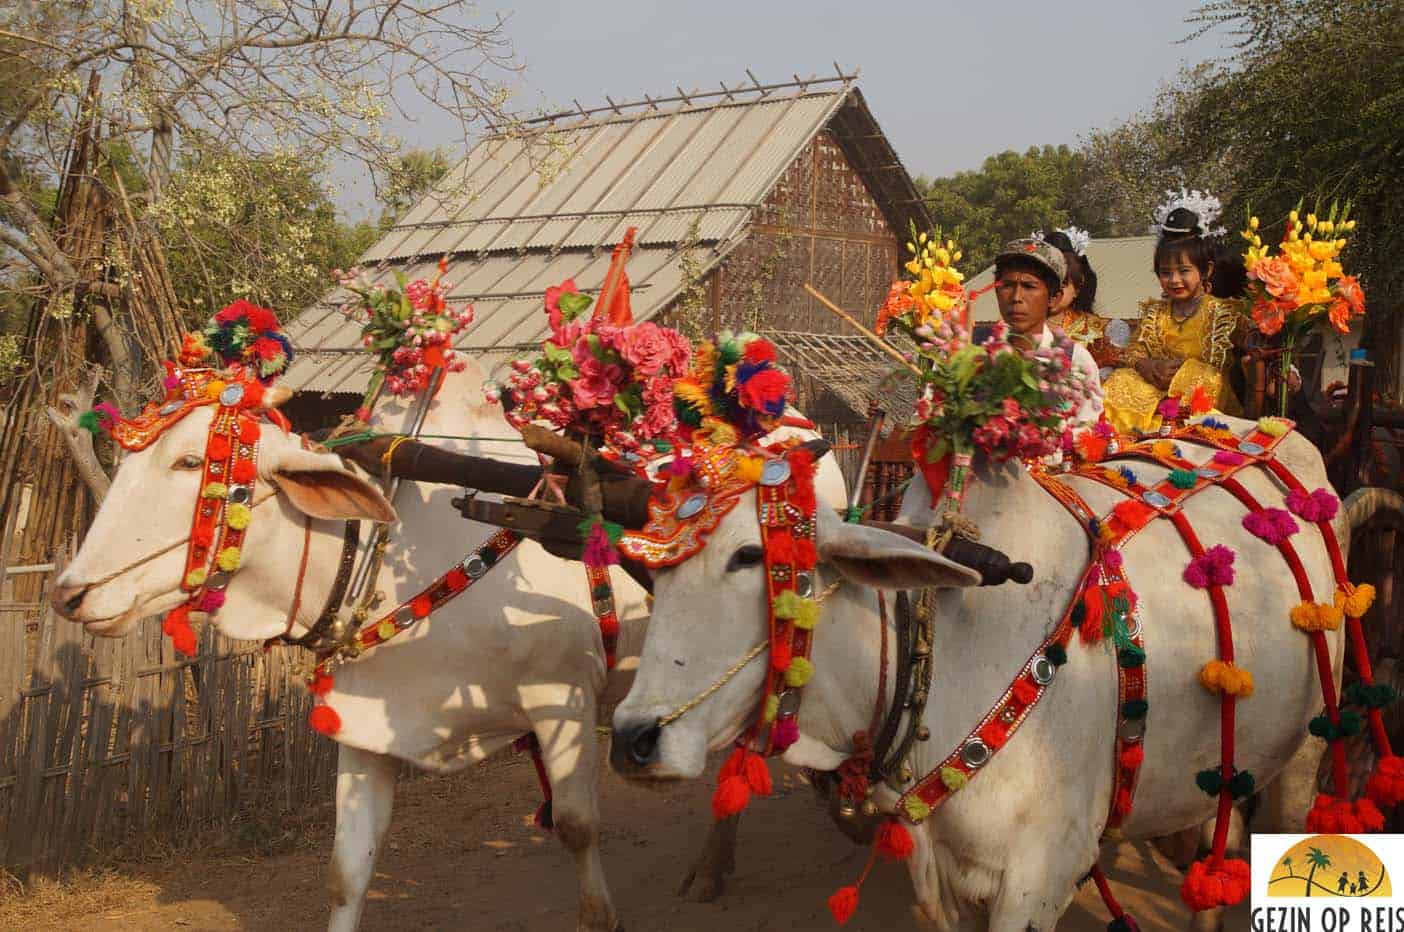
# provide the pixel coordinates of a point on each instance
(749, 555)
(189, 461)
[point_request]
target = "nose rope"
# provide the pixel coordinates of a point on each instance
(163, 551)
(736, 668)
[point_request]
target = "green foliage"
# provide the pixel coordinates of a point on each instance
(1010, 196)
(411, 175)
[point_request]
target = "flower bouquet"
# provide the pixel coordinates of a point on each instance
(612, 383)
(932, 290)
(410, 328)
(1303, 284)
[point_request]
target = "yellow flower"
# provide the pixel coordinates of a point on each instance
(1252, 223)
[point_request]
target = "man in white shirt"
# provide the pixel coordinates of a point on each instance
(1029, 275)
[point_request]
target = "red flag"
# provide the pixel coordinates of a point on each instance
(613, 303)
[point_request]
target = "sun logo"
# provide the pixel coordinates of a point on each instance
(1329, 865)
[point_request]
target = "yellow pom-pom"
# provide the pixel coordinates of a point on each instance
(953, 779)
(385, 630)
(748, 468)
(799, 672)
(1272, 426)
(772, 707)
(1331, 616)
(1304, 617)
(237, 516)
(1163, 448)
(916, 808)
(195, 579)
(807, 615)
(1357, 603)
(1220, 677)
(215, 490)
(228, 559)
(213, 389)
(786, 604)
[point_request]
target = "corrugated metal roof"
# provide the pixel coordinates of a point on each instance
(1124, 278)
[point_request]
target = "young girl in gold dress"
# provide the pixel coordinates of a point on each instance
(1186, 338)
(1073, 314)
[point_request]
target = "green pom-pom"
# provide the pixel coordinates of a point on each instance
(1183, 478)
(1321, 727)
(603, 591)
(1354, 693)
(489, 556)
(1057, 654)
(1242, 784)
(1131, 656)
(1135, 708)
(1352, 723)
(88, 420)
(1079, 614)
(1210, 781)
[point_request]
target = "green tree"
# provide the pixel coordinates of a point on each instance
(1317, 859)
(410, 176)
(1011, 195)
(1287, 863)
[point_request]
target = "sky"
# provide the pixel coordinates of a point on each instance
(949, 82)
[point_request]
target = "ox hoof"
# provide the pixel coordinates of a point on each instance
(703, 886)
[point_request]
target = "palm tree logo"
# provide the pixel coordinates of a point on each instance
(1362, 873)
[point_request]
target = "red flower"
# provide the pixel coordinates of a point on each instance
(1270, 316)
(553, 300)
(1348, 288)
(1339, 315)
(760, 351)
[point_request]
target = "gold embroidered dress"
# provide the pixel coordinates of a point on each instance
(1204, 342)
(1091, 331)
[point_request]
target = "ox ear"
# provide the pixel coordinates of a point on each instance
(320, 485)
(885, 560)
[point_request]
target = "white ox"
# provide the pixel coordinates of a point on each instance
(519, 652)
(1006, 852)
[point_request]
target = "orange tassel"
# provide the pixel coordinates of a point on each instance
(324, 720)
(1093, 604)
(843, 904)
(731, 796)
(894, 842)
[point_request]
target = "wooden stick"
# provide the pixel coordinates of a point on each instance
(873, 337)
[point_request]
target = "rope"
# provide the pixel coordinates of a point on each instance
(363, 436)
(706, 694)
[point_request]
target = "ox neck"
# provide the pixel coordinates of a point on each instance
(981, 635)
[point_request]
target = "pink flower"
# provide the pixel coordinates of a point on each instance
(652, 349)
(1277, 277)
(597, 384)
(658, 420)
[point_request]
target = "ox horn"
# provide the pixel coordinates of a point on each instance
(275, 396)
(818, 447)
(995, 568)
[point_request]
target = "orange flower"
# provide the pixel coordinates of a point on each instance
(1277, 277)
(1339, 313)
(898, 302)
(1348, 288)
(1269, 316)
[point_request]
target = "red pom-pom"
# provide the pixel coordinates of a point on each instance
(734, 765)
(780, 548)
(324, 720)
(249, 430)
(1133, 757)
(760, 351)
(764, 390)
(456, 580)
(894, 842)
(1025, 692)
(609, 626)
(183, 640)
(1133, 513)
(1386, 785)
(1123, 803)
(1207, 888)
(321, 684)
(1332, 816)
(267, 348)
(421, 606)
(244, 472)
(253, 394)
(178, 617)
(218, 447)
(780, 656)
(757, 775)
(806, 554)
(261, 319)
(202, 536)
(994, 733)
(843, 904)
(731, 796)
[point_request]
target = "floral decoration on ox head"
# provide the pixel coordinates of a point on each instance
(1303, 284)
(609, 381)
(931, 290)
(735, 391)
(409, 327)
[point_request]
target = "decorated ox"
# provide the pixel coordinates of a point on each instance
(1006, 849)
(519, 654)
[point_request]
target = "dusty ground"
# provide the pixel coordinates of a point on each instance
(463, 854)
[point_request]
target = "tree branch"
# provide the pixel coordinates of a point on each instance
(79, 441)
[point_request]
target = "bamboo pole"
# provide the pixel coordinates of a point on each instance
(876, 340)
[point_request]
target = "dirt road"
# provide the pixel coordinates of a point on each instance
(463, 854)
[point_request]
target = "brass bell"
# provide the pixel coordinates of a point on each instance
(846, 809)
(870, 808)
(919, 698)
(921, 614)
(922, 649)
(923, 733)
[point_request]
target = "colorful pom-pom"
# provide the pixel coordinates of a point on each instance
(244, 472)
(218, 448)
(1218, 676)
(954, 779)
(212, 601)
(843, 904)
(1272, 426)
(1358, 602)
(195, 578)
(421, 605)
(321, 683)
(324, 720)
(1207, 887)
(237, 516)
(1183, 478)
(1315, 616)
(798, 672)
(215, 490)
(1386, 785)
(785, 733)
(228, 559)
(894, 842)
(731, 796)
(1213, 567)
(1330, 815)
